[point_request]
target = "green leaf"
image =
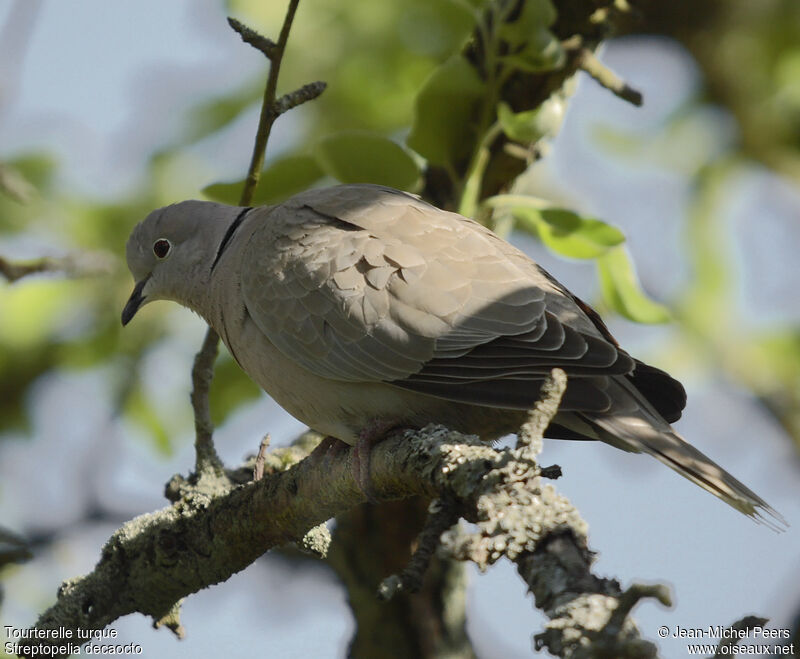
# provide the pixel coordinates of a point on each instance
(282, 179)
(535, 16)
(567, 233)
(542, 53)
(444, 112)
(522, 127)
(533, 47)
(361, 157)
(622, 292)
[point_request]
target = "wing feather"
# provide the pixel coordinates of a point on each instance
(363, 283)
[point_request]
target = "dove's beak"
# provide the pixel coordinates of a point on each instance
(134, 301)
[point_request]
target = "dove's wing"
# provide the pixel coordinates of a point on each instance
(363, 283)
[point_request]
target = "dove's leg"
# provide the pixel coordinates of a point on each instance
(326, 450)
(335, 448)
(370, 435)
(330, 447)
(361, 456)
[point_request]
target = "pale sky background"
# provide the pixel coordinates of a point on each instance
(103, 84)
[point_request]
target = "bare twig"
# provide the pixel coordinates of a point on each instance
(299, 96)
(203, 372)
(606, 77)
(206, 457)
(81, 264)
(258, 469)
(14, 185)
(268, 111)
(256, 40)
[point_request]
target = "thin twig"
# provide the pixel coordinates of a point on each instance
(587, 61)
(299, 96)
(268, 114)
(256, 40)
(203, 371)
(258, 469)
(87, 264)
(14, 185)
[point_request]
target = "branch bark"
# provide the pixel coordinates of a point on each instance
(208, 534)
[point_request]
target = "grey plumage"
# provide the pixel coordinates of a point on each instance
(358, 307)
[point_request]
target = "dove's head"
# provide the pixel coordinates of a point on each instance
(171, 253)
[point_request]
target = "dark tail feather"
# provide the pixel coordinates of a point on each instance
(639, 434)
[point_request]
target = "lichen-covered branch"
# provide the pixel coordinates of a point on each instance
(207, 535)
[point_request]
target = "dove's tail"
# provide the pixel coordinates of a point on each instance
(641, 429)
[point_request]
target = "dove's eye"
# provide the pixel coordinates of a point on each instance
(161, 248)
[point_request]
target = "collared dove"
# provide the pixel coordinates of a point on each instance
(360, 308)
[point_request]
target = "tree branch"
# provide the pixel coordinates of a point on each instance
(269, 111)
(74, 266)
(15, 186)
(206, 458)
(256, 40)
(588, 61)
(203, 369)
(153, 561)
